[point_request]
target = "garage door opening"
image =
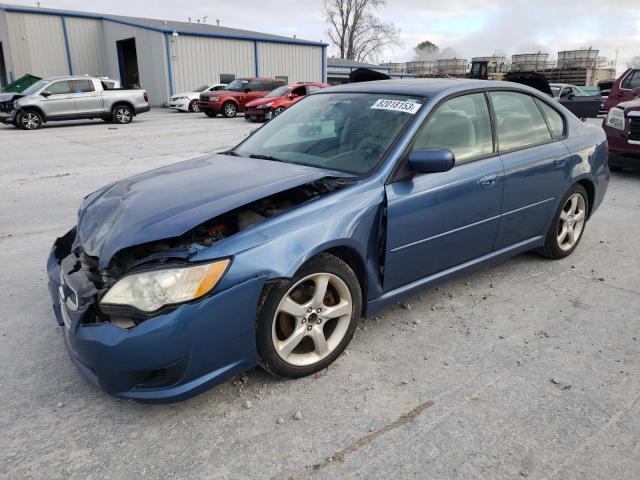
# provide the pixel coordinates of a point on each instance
(128, 60)
(3, 69)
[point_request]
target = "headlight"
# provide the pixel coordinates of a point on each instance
(615, 118)
(16, 104)
(266, 105)
(149, 291)
(213, 99)
(178, 98)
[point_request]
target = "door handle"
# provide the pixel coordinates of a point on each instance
(488, 181)
(559, 162)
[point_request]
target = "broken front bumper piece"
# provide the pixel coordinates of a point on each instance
(169, 357)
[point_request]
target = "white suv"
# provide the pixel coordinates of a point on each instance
(188, 102)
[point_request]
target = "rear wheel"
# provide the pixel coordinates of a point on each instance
(305, 324)
(122, 114)
(568, 224)
(29, 120)
(229, 110)
(193, 106)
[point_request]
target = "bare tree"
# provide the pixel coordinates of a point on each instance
(356, 30)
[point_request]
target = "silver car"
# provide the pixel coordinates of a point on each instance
(73, 98)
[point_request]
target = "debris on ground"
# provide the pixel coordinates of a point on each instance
(248, 404)
(297, 415)
(280, 421)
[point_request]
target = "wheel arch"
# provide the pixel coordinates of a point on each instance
(34, 108)
(125, 103)
(590, 187)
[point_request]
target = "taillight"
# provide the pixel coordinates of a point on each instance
(146, 97)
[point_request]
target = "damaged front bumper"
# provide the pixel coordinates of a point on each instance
(8, 117)
(169, 357)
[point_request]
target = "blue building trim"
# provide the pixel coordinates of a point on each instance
(324, 64)
(167, 43)
(61, 13)
(66, 44)
(256, 57)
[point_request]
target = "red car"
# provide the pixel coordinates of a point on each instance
(276, 101)
(626, 87)
(622, 127)
(238, 93)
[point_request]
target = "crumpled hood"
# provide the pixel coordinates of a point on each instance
(170, 201)
(7, 97)
(629, 105)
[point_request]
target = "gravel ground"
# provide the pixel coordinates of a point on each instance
(528, 369)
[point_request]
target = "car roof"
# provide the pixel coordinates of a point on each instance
(424, 87)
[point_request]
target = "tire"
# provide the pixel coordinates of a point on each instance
(278, 111)
(568, 224)
(229, 110)
(29, 120)
(210, 114)
(122, 114)
(291, 346)
(193, 106)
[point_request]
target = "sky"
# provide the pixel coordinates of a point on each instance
(467, 27)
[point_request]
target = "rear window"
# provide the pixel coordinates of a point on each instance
(555, 121)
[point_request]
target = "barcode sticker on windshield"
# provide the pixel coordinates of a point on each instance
(396, 105)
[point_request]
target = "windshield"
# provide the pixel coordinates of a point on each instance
(349, 132)
(278, 92)
(35, 87)
(201, 88)
(237, 85)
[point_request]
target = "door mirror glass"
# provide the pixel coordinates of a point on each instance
(431, 160)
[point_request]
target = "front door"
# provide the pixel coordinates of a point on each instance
(437, 221)
(88, 101)
(58, 100)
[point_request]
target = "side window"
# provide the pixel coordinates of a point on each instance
(254, 86)
(632, 80)
(282, 78)
(82, 86)
(59, 88)
(519, 121)
(312, 88)
(555, 121)
(462, 125)
(300, 91)
(565, 92)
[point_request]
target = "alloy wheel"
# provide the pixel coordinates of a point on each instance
(123, 115)
(312, 319)
(30, 121)
(194, 106)
(571, 222)
(230, 110)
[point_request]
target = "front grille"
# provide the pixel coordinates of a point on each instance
(91, 267)
(634, 128)
(6, 107)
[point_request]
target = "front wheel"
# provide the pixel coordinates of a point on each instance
(122, 114)
(568, 224)
(193, 106)
(29, 120)
(229, 110)
(305, 324)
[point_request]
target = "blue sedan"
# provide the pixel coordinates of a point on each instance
(268, 254)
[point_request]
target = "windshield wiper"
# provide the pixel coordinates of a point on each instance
(266, 157)
(231, 152)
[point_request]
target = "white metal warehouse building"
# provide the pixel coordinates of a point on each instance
(163, 57)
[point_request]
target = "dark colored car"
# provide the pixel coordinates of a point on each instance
(622, 126)
(237, 94)
(275, 102)
(267, 254)
(625, 88)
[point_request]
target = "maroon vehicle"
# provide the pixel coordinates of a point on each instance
(237, 94)
(622, 126)
(281, 98)
(626, 87)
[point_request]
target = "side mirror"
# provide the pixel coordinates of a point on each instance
(45, 94)
(291, 96)
(571, 96)
(431, 160)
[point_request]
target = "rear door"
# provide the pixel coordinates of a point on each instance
(437, 221)
(253, 89)
(530, 134)
(58, 101)
(88, 100)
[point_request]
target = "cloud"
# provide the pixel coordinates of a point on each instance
(469, 27)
